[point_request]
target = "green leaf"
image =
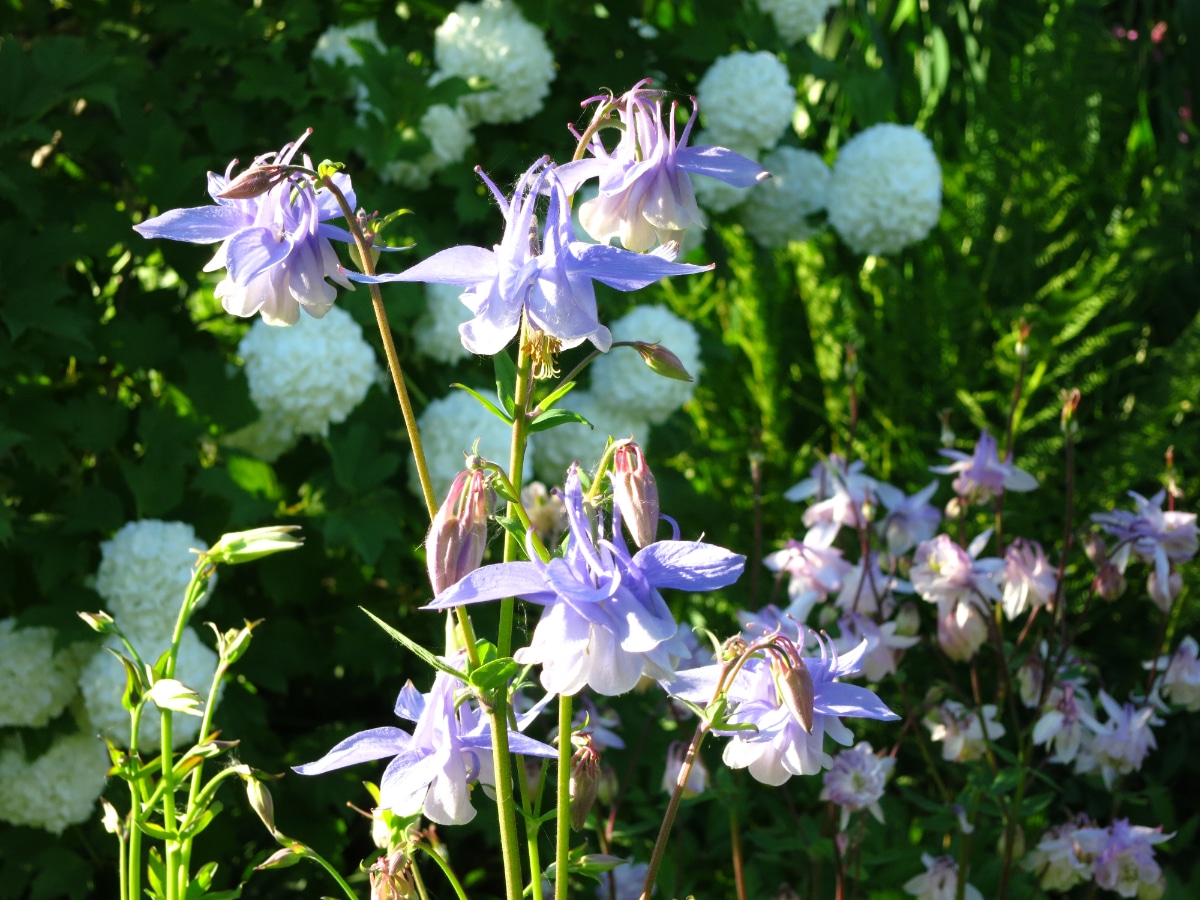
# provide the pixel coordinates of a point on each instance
(359, 462)
(493, 676)
(552, 417)
(433, 661)
(557, 394)
(367, 525)
(487, 404)
(506, 382)
(513, 526)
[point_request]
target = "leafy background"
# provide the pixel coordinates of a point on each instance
(1070, 198)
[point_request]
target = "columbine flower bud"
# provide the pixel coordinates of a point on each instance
(390, 879)
(908, 620)
(280, 859)
(100, 622)
(947, 437)
(244, 546)
(798, 694)
(635, 492)
(458, 536)
(1109, 582)
(662, 361)
(584, 784)
(261, 802)
(1164, 595)
(254, 182)
(1096, 549)
(233, 644)
(1070, 404)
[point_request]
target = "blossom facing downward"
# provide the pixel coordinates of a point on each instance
(1066, 854)
(783, 745)
(814, 571)
(981, 475)
(275, 250)
(1153, 535)
(886, 191)
(1063, 724)
(856, 781)
(553, 288)
(748, 99)
(645, 194)
(1121, 744)
(1180, 678)
(1126, 865)
(605, 624)
(939, 881)
(1029, 580)
(433, 768)
(961, 730)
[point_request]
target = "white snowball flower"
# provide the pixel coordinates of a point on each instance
(36, 683)
(103, 682)
(144, 572)
(622, 381)
(436, 332)
(59, 788)
(307, 376)
(449, 427)
(559, 447)
(448, 130)
(796, 19)
(777, 210)
(746, 99)
(886, 191)
(492, 41)
(334, 46)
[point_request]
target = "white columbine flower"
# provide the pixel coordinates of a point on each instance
(557, 448)
(1126, 865)
(36, 683)
(886, 191)
(961, 731)
(856, 781)
(59, 788)
(961, 585)
(621, 380)
(449, 428)
(491, 41)
(1121, 744)
(307, 377)
(1066, 854)
(796, 19)
(103, 682)
(1180, 675)
(814, 571)
(884, 645)
(1029, 579)
(746, 99)
(776, 211)
(436, 332)
(145, 570)
(939, 881)
(1063, 722)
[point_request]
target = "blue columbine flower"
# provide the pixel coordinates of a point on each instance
(273, 245)
(553, 287)
(605, 625)
(646, 193)
(433, 768)
(790, 729)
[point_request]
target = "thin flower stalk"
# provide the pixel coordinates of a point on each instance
(562, 843)
(446, 870)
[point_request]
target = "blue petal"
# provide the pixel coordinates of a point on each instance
(410, 703)
(571, 175)
(622, 269)
(252, 251)
(519, 743)
(198, 225)
(696, 685)
(722, 164)
(341, 234)
(495, 582)
(375, 743)
(837, 699)
(689, 565)
(465, 266)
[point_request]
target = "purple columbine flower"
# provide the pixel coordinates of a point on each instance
(1122, 743)
(1151, 534)
(1029, 579)
(276, 251)
(1126, 865)
(433, 768)
(783, 745)
(843, 494)
(645, 190)
(815, 570)
(605, 625)
(981, 475)
(910, 520)
(553, 287)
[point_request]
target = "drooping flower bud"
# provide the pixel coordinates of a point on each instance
(254, 182)
(798, 693)
(662, 361)
(1109, 582)
(635, 492)
(458, 535)
(100, 622)
(584, 784)
(1164, 594)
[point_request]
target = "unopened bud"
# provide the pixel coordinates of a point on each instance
(254, 182)
(607, 789)
(167, 693)
(261, 802)
(100, 622)
(1164, 595)
(908, 620)
(850, 362)
(947, 437)
(1070, 405)
(955, 508)
(280, 859)
(662, 361)
(1096, 549)
(110, 819)
(245, 546)
(798, 694)
(458, 534)
(584, 784)
(635, 492)
(1109, 583)
(232, 644)
(390, 879)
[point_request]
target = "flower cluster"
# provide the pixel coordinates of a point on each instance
(797, 19)
(58, 788)
(778, 211)
(289, 372)
(747, 100)
(1119, 858)
(36, 681)
(886, 190)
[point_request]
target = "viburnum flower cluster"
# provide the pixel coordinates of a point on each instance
(797, 19)
(36, 681)
(778, 211)
(450, 426)
(747, 99)
(57, 789)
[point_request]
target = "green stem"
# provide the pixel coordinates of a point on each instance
(446, 870)
(389, 348)
(171, 846)
(197, 772)
(516, 465)
(505, 807)
(309, 853)
(563, 838)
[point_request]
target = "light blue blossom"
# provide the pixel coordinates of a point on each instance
(1151, 534)
(276, 251)
(605, 624)
(433, 768)
(646, 193)
(981, 475)
(552, 287)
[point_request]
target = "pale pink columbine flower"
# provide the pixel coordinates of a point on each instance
(939, 881)
(1151, 535)
(814, 570)
(1063, 725)
(909, 520)
(1066, 854)
(867, 588)
(961, 731)
(961, 629)
(961, 585)
(856, 781)
(982, 475)
(884, 645)
(1121, 744)
(1029, 579)
(1030, 676)
(1127, 865)
(1179, 680)
(843, 496)
(1164, 593)
(697, 778)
